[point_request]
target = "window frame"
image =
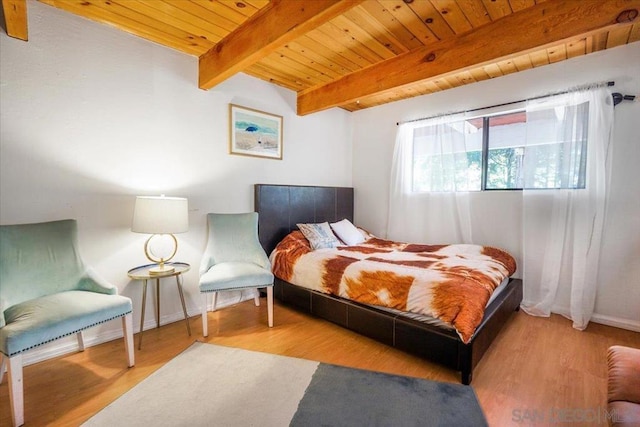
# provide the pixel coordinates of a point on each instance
(485, 148)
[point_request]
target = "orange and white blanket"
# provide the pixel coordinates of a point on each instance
(450, 282)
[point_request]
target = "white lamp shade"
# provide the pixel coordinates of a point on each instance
(160, 215)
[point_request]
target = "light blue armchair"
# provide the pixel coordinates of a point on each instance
(46, 293)
(234, 260)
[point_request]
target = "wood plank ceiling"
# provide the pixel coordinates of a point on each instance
(356, 54)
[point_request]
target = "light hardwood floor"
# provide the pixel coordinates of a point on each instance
(538, 369)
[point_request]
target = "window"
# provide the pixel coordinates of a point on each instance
(506, 142)
(538, 149)
(447, 157)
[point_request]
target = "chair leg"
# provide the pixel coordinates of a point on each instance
(205, 330)
(127, 330)
(257, 298)
(214, 301)
(270, 305)
(80, 341)
(16, 391)
(3, 366)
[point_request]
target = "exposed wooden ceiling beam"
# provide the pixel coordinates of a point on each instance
(15, 17)
(262, 34)
(518, 33)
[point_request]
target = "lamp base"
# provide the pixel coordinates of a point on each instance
(162, 269)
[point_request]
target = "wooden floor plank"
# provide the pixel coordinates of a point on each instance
(536, 365)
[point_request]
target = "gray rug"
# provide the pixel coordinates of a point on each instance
(220, 386)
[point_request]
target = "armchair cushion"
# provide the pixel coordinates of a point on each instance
(3, 305)
(234, 260)
(47, 292)
(39, 259)
(41, 320)
(623, 386)
(91, 282)
(234, 275)
(233, 237)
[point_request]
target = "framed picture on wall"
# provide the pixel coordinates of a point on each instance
(254, 133)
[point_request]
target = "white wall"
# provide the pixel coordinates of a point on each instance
(498, 220)
(92, 116)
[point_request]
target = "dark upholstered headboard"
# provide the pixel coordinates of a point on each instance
(281, 207)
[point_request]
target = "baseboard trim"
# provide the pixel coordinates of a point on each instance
(616, 322)
(70, 344)
(50, 351)
(61, 348)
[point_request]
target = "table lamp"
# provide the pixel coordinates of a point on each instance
(162, 217)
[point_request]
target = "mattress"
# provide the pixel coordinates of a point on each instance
(429, 320)
(449, 283)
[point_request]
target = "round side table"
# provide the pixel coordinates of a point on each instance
(143, 273)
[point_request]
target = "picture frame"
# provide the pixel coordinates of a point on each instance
(255, 133)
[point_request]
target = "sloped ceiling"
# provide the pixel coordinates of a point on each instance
(355, 54)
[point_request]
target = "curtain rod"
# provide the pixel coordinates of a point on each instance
(617, 98)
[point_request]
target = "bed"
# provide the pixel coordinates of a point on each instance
(281, 207)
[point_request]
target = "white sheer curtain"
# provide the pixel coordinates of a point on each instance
(563, 227)
(431, 208)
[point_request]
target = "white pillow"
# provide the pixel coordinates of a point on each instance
(319, 235)
(347, 232)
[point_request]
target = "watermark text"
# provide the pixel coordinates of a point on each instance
(564, 415)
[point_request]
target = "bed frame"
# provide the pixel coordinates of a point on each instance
(281, 207)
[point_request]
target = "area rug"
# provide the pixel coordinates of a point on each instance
(220, 386)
